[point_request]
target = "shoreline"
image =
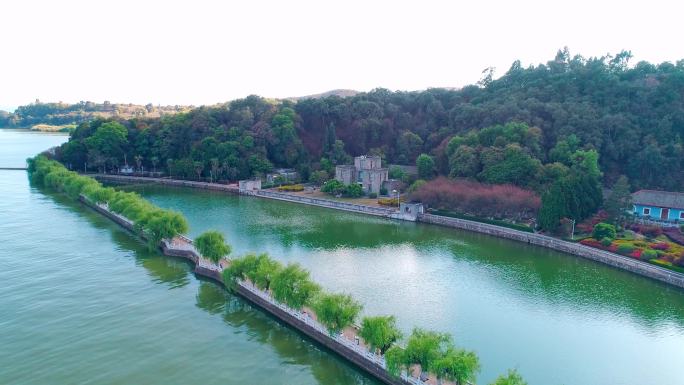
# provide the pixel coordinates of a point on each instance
(613, 260)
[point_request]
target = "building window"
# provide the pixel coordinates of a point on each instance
(681, 215)
(647, 211)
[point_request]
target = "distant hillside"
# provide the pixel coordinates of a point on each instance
(340, 92)
(60, 114)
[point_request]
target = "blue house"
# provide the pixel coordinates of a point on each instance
(664, 207)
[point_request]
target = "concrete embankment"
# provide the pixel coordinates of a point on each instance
(611, 259)
(605, 257)
(355, 354)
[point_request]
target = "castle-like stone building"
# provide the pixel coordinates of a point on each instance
(367, 171)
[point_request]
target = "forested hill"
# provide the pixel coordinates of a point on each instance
(63, 113)
(523, 128)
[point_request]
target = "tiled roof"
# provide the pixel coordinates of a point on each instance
(673, 200)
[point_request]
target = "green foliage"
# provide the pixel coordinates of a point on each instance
(426, 166)
(333, 187)
(396, 359)
(319, 177)
(576, 196)
(457, 365)
(606, 241)
(380, 332)
(426, 347)
(416, 185)
(511, 378)
(625, 248)
(604, 230)
(212, 245)
(396, 172)
(649, 254)
(156, 224)
(266, 270)
(336, 311)
(372, 195)
(619, 202)
(293, 286)
(353, 190)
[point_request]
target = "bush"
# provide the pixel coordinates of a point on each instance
(679, 261)
(647, 255)
(651, 231)
(372, 195)
(606, 242)
(333, 187)
(604, 230)
(625, 249)
(353, 190)
(291, 188)
(664, 246)
(383, 191)
(392, 202)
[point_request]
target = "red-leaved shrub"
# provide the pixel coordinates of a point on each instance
(501, 201)
(660, 246)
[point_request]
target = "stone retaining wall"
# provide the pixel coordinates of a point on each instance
(611, 259)
(167, 182)
(378, 211)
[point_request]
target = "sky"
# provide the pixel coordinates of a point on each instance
(205, 52)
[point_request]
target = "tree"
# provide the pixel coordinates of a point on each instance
(619, 202)
(106, 146)
(457, 365)
(511, 378)
(397, 360)
(425, 347)
(464, 162)
(380, 332)
(425, 165)
(211, 245)
(266, 270)
(293, 287)
(336, 311)
(603, 230)
(164, 225)
(155, 162)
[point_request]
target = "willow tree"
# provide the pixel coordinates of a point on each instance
(425, 347)
(212, 245)
(511, 378)
(266, 270)
(380, 332)
(456, 365)
(336, 311)
(293, 286)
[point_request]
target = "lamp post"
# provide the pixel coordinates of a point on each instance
(396, 192)
(572, 235)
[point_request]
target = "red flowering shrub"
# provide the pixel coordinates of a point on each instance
(668, 257)
(651, 231)
(591, 242)
(660, 246)
(501, 201)
(636, 253)
(587, 226)
(679, 261)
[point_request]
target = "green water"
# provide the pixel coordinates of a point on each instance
(82, 302)
(559, 319)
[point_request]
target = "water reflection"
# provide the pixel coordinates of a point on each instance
(291, 347)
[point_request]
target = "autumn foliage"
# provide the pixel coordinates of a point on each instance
(500, 201)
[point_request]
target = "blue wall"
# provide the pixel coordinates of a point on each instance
(675, 214)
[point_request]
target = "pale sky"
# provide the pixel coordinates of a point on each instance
(204, 52)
